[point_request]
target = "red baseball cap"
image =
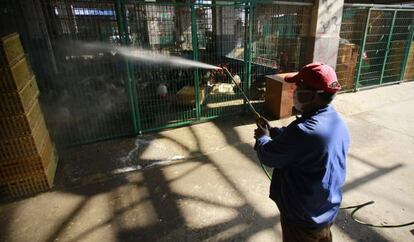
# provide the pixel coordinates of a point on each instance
(317, 76)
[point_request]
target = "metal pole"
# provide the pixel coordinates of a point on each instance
(387, 50)
(378, 5)
(194, 42)
(123, 37)
(252, 8)
(246, 41)
(361, 52)
(407, 50)
(247, 47)
(247, 82)
(285, 3)
(392, 9)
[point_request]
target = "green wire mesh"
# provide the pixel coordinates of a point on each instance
(377, 40)
(83, 95)
(399, 43)
(351, 35)
(280, 40)
(164, 29)
(221, 33)
(387, 45)
(92, 96)
(408, 72)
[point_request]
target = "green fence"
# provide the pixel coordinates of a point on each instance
(84, 95)
(215, 34)
(280, 38)
(88, 95)
(374, 47)
(351, 38)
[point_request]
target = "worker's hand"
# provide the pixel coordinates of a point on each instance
(263, 122)
(261, 131)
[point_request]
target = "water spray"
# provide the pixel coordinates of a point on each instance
(148, 56)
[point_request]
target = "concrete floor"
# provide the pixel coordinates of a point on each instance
(203, 182)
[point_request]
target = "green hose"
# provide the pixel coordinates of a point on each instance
(265, 171)
(356, 208)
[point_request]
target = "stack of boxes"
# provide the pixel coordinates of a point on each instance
(396, 60)
(409, 69)
(346, 65)
(27, 156)
(186, 96)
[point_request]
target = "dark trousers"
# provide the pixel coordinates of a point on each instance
(296, 233)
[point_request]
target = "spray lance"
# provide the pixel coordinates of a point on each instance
(355, 208)
(258, 117)
(256, 114)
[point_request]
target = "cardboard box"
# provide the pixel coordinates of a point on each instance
(16, 103)
(15, 148)
(32, 184)
(409, 69)
(186, 96)
(395, 60)
(346, 65)
(11, 49)
(23, 167)
(21, 125)
(345, 52)
(279, 95)
(15, 77)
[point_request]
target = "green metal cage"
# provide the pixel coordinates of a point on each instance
(94, 95)
(351, 38)
(377, 52)
(280, 38)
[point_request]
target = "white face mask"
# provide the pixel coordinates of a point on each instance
(298, 104)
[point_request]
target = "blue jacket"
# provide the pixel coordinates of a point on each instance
(308, 158)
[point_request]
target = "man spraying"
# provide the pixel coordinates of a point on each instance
(308, 157)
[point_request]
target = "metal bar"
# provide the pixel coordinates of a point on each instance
(246, 41)
(361, 52)
(124, 41)
(387, 50)
(252, 7)
(377, 5)
(131, 75)
(175, 125)
(247, 47)
(224, 4)
(194, 42)
(394, 9)
(206, 119)
(250, 43)
(191, 122)
(375, 86)
(91, 141)
(189, 4)
(284, 3)
(407, 50)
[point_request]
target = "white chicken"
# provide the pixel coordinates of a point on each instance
(237, 79)
(162, 90)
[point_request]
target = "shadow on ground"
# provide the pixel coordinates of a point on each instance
(151, 208)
